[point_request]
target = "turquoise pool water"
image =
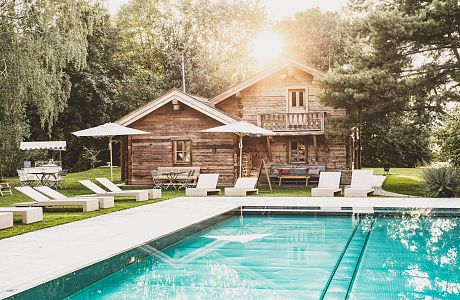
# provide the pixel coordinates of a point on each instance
(298, 257)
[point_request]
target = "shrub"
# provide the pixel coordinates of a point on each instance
(441, 181)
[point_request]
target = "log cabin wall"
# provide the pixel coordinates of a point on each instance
(212, 152)
(269, 96)
(331, 153)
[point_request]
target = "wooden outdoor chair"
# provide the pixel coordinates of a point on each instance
(5, 189)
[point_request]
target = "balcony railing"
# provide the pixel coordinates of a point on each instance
(312, 121)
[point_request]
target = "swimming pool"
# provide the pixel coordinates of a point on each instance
(298, 257)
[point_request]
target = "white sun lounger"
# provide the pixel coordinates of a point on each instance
(153, 193)
(43, 201)
(361, 183)
(28, 214)
(243, 187)
(6, 220)
(205, 186)
(140, 195)
(104, 201)
(328, 185)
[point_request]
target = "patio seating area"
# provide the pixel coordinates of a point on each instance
(175, 177)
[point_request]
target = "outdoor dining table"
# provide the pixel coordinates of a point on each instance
(44, 176)
(172, 178)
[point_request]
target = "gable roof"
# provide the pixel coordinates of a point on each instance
(264, 74)
(200, 104)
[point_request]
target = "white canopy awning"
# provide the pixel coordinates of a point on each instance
(44, 145)
(240, 128)
(109, 129)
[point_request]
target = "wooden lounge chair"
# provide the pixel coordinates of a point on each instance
(206, 185)
(141, 195)
(153, 193)
(6, 220)
(43, 201)
(5, 189)
(104, 201)
(28, 214)
(243, 187)
(361, 184)
(328, 185)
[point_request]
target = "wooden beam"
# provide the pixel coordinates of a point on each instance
(315, 147)
(269, 150)
(239, 95)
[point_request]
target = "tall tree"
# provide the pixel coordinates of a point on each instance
(314, 37)
(211, 35)
(401, 61)
(448, 138)
(38, 39)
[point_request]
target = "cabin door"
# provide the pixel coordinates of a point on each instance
(296, 101)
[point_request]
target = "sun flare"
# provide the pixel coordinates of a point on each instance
(266, 46)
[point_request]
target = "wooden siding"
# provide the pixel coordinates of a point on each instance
(148, 152)
(268, 96)
(331, 153)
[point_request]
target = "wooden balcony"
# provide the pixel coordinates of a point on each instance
(292, 122)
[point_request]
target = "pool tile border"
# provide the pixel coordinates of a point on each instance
(73, 282)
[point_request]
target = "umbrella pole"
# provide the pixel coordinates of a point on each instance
(241, 154)
(111, 162)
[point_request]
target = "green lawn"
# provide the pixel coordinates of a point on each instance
(60, 215)
(406, 181)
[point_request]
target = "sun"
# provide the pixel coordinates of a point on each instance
(266, 46)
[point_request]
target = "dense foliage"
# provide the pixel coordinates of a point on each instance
(38, 40)
(441, 182)
(396, 144)
(401, 62)
(315, 37)
(448, 137)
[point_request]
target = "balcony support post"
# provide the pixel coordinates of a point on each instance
(315, 148)
(269, 150)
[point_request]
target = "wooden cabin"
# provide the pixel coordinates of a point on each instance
(280, 99)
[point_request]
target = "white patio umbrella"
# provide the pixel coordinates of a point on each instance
(241, 129)
(109, 130)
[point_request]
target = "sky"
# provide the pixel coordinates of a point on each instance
(276, 9)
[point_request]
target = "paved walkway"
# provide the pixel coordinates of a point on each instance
(378, 187)
(37, 257)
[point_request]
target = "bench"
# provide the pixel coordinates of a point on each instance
(6, 220)
(28, 214)
(298, 172)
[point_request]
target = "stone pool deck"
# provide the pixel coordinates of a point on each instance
(31, 259)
